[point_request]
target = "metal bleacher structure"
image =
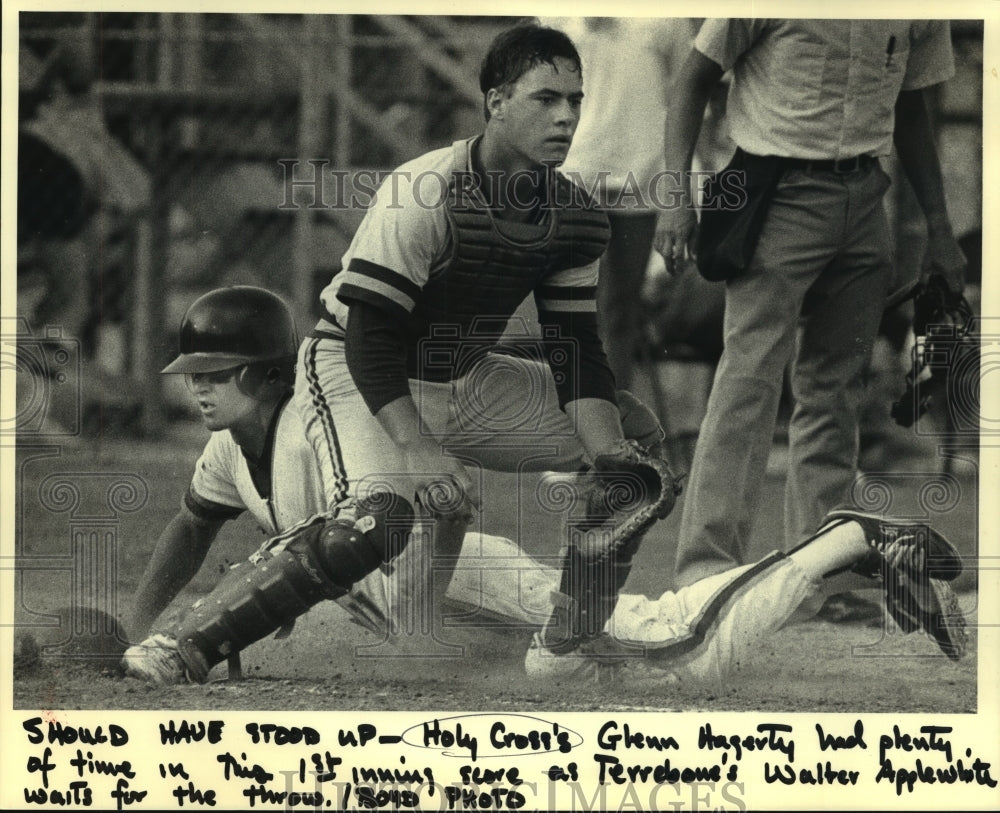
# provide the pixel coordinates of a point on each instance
(211, 116)
(203, 120)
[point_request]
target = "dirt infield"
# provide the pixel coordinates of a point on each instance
(96, 509)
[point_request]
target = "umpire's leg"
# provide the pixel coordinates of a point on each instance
(841, 316)
(801, 235)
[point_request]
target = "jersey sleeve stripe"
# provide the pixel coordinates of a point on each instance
(367, 288)
(353, 293)
(206, 509)
(386, 276)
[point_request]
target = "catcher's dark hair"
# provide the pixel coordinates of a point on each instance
(517, 50)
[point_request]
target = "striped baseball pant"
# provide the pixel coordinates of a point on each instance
(503, 415)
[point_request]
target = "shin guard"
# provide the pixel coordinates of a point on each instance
(318, 559)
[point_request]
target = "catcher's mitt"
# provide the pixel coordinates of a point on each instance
(626, 492)
(634, 484)
(942, 329)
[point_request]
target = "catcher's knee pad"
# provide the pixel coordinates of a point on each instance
(318, 559)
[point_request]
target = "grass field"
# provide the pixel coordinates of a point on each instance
(88, 516)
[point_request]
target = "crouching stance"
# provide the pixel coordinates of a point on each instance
(237, 350)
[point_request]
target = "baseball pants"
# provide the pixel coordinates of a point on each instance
(503, 415)
(702, 633)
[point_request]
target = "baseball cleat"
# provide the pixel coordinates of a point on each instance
(915, 601)
(156, 660)
(596, 660)
(940, 558)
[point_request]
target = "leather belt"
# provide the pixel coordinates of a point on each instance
(841, 166)
(316, 333)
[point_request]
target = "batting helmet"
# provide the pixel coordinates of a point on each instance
(231, 326)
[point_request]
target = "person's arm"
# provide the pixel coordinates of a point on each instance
(598, 424)
(177, 556)
(689, 96)
(585, 385)
(376, 358)
(914, 140)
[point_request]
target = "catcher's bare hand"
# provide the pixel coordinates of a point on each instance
(442, 484)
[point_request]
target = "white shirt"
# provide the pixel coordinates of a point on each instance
(823, 89)
(405, 238)
(628, 65)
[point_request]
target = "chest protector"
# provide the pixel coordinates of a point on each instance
(494, 264)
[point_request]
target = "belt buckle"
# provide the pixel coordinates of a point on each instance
(845, 166)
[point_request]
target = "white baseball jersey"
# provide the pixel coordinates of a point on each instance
(223, 485)
(405, 241)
